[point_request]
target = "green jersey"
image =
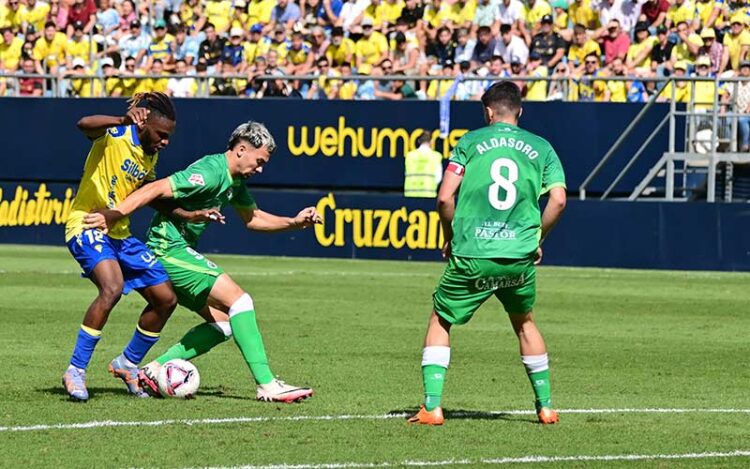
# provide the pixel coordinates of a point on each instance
(506, 169)
(204, 184)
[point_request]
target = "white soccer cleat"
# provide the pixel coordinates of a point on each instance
(279, 391)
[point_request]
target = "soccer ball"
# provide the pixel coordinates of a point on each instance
(178, 378)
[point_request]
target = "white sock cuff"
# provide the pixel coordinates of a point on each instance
(244, 303)
(223, 327)
(436, 355)
(535, 363)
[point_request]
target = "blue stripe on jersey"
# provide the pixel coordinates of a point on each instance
(134, 135)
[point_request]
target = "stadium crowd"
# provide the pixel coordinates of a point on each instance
(185, 48)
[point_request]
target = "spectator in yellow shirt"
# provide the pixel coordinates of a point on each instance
(689, 45)
(390, 12)
(255, 47)
(704, 92)
(34, 14)
(462, 13)
(436, 15)
(49, 50)
(154, 84)
(239, 16)
(534, 11)
(680, 11)
(581, 47)
(219, 14)
(259, 11)
(78, 46)
(438, 88)
(638, 59)
(581, 13)
(10, 15)
(617, 91)
(372, 48)
(83, 87)
(681, 88)
(348, 88)
(342, 49)
(536, 90)
(736, 43)
(10, 50)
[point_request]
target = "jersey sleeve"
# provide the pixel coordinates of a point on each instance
(241, 197)
(460, 155)
(196, 179)
(553, 175)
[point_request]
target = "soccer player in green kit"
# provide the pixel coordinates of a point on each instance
(493, 241)
(212, 182)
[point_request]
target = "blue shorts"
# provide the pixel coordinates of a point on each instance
(140, 268)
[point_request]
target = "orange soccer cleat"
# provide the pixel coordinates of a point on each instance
(547, 416)
(425, 417)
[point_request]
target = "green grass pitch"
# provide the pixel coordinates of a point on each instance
(353, 330)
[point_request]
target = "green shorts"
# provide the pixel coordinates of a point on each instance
(192, 275)
(468, 282)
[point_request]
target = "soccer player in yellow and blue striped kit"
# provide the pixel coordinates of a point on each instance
(122, 158)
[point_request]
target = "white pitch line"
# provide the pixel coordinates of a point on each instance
(332, 273)
(506, 460)
(297, 418)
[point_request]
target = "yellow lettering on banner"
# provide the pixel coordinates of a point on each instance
(328, 141)
(393, 136)
(344, 133)
(377, 228)
(367, 151)
(362, 228)
(303, 148)
(435, 238)
(397, 241)
(320, 230)
(41, 210)
(379, 239)
(344, 141)
(416, 231)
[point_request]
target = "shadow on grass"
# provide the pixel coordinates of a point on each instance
(59, 391)
(460, 414)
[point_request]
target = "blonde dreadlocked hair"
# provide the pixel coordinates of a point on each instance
(155, 102)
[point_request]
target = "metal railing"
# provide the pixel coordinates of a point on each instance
(720, 117)
(54, 85)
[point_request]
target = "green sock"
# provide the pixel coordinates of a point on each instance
(433, 377)
(247, 335)
(197, 341)
(540, 383)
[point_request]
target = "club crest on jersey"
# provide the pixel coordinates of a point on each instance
(196, 179)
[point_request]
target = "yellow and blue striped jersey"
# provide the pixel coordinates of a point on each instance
(115, 167)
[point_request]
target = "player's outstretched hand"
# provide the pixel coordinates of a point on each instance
(101, 219)
(137, 116)
(307, 217)
(211, 214)
(538, 256)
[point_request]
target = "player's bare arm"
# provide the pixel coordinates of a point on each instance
(446, 205)
(172, 209)
(552, 213)
(95, 126)
(258, 220)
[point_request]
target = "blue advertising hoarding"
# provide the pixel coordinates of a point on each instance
(388, 226)
(322, 144)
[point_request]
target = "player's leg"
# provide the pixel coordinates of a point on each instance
(455, 300)
(143, 273)
(227, 296)
(99, 264)
(201, 338)
(197, 341)
(518, 302)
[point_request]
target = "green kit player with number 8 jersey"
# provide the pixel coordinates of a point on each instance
(493, 237)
